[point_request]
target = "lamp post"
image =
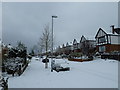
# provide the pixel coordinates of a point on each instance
(52, 41)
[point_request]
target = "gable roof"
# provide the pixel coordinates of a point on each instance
(74, 41)
(100, 30)
(82, 38)
(67, 44)
(63, 46)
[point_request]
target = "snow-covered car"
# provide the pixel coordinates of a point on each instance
(37, 58)
(57, 67)
(58, 57)
(51, 56)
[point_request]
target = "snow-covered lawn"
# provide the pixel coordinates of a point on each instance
(93, 74)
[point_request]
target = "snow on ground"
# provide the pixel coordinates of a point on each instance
(93, 74)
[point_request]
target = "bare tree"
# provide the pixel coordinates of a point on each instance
(87, 48)
(45, 42)
(40, 46)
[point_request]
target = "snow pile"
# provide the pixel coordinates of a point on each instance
(94, 74)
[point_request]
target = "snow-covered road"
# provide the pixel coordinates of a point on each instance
(94, 74)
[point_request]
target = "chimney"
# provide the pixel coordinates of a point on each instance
(113, 31)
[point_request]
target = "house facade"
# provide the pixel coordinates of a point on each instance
(92, 43)
(75, 46)
(87, 46)
(108, 42)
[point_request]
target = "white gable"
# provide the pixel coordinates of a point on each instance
(82, 39)
(100, 33)
(75, 41)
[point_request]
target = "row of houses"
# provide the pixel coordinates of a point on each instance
(76, 47)
(103, 43)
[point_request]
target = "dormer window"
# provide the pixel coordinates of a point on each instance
(101, 39)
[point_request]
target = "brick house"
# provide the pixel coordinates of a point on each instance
(108, 42)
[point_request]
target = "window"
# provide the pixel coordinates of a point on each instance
(102, 49)
(102, 39)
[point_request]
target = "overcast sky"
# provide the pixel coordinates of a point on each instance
(25, 21)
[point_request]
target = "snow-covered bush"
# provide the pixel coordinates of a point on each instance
(17, 57)
(12, 64)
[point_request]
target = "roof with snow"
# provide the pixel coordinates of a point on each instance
(117, 30)
(101, 31)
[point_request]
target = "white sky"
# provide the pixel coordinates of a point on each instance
(25, 21)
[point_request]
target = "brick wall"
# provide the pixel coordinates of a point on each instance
(110, 48)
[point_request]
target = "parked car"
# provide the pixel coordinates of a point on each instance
(29, 57)
(41, 56)
(58, 57)
(37, 58)
(57, 67)
(51, 56)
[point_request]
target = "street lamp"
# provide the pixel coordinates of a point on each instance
(52, 41)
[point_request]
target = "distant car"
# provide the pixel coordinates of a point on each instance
(45, 60)
(58, 57)
(37, 58)
(41, 56)
(51, 56)
(29, 57)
